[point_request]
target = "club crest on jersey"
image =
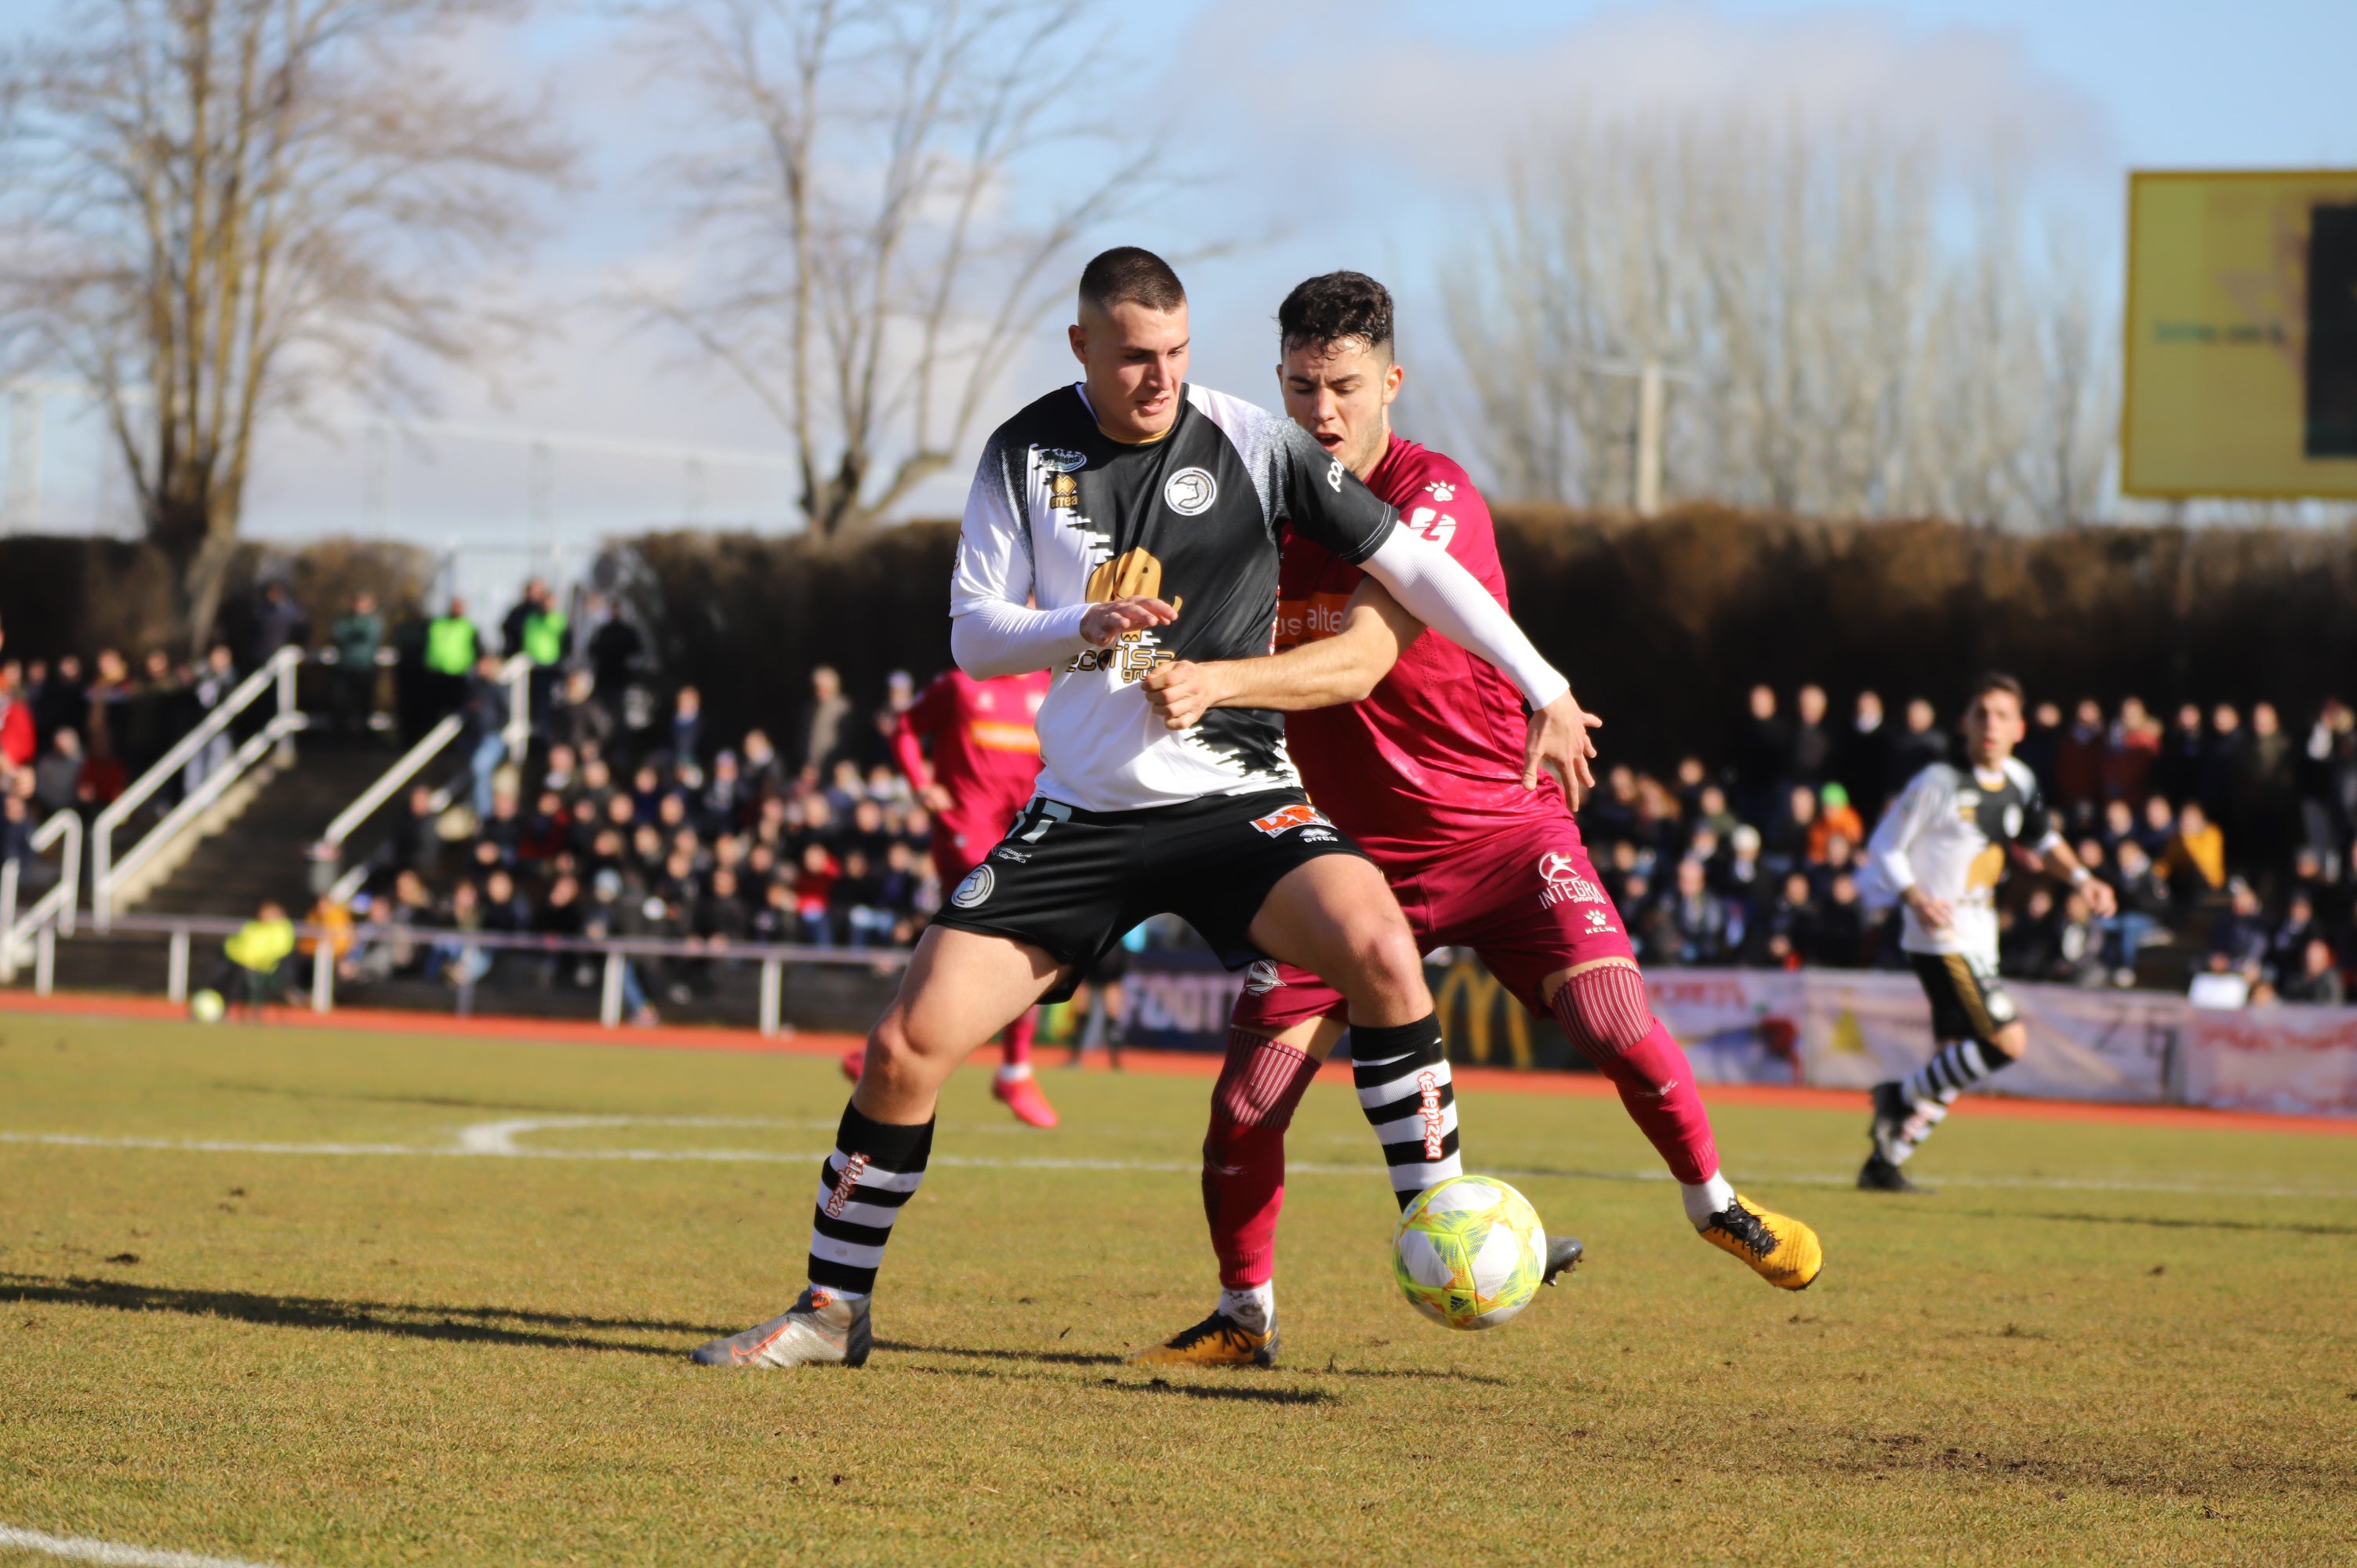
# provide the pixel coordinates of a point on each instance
(1441, 490)
(975, 888)
(1300, 814)
(1563, 884)
(1191, 491)
(1262, 978)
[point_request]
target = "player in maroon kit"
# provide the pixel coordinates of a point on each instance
(1416, 749)
(986, 757)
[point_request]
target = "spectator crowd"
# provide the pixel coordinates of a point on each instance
(2230, 839)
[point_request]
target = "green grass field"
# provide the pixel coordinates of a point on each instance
(2095, 1344)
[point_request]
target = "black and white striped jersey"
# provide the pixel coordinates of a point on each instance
(1949, 831)
(1063, 513)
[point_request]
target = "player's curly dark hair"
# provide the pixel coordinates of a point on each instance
(1127, 273)
(1333, 307)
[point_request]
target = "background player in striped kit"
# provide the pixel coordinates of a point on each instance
(1421, 762)
(985, 738)
(1941, 849)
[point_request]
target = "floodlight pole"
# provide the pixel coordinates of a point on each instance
(1653, 378)
(1649, 439)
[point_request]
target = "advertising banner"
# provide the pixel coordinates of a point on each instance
(2301, 1061)
(1854, 1028)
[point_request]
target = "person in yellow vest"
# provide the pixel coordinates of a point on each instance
(539, 629)
(451, 648)
(254, 952)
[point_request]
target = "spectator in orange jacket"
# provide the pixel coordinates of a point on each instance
(1835, 818)
(2195, 860)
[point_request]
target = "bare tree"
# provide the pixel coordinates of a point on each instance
(1840, 354)
(213, 208)
(886, 210)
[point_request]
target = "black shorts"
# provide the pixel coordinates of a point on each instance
(1968, 1001)
(1073, 882)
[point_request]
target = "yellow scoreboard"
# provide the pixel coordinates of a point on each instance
(2242, 335)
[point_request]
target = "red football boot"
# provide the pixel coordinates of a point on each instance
(1022, 1096)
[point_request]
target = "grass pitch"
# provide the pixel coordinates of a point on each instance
(301, 1346)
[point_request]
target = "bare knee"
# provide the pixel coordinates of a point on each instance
(894, 1058)
(2009, 1043)
(1390, 970)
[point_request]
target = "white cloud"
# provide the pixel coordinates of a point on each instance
(1327, 82)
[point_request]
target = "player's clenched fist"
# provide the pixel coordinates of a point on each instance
(1183, 692)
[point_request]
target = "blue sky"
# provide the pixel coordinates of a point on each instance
(1371, 135)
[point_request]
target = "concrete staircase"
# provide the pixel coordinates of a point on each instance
(253, 851)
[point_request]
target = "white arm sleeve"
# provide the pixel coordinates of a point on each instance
(995, 638)
(1429, 580)
(1888, 848)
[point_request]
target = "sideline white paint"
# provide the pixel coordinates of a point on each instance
(81, 1549)
(498, 1140)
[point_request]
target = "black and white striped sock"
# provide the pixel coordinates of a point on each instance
(1955, 1068)
(1401, 1075)
(862, 1186)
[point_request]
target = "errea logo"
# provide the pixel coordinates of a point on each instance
(1334, 475)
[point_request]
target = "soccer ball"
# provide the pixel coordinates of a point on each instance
(207, 1006)
(1469, 1252)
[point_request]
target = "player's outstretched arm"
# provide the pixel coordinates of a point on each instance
(1434, 585)
(1342, 668)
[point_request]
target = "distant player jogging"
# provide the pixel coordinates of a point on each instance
(1419, 759)
(984, 740)
(1115, 526)
(1940, 849)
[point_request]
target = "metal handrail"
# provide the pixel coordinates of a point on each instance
(57, 907)
(616, 950)
(516, 674)
(105, 874)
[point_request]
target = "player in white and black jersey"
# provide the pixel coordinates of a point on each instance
(1941, 849)
(1114, 526)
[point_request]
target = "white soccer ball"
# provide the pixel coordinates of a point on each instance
(1469, 1252)
(207, 1006)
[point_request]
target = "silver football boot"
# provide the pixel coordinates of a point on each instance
(821, 1329)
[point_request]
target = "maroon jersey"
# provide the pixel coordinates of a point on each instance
(986, 752)
(1432, 759)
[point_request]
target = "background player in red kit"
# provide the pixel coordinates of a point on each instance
(986, 757)
(1415, 749)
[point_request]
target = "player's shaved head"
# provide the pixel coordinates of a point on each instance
(1127, 274)
(1335, 307)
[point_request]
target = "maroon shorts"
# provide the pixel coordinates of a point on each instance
(1527, 901)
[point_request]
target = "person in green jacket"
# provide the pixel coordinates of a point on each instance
(356, 636)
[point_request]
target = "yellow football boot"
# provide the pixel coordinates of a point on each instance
(1218, 1341)
(1782, 1251)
